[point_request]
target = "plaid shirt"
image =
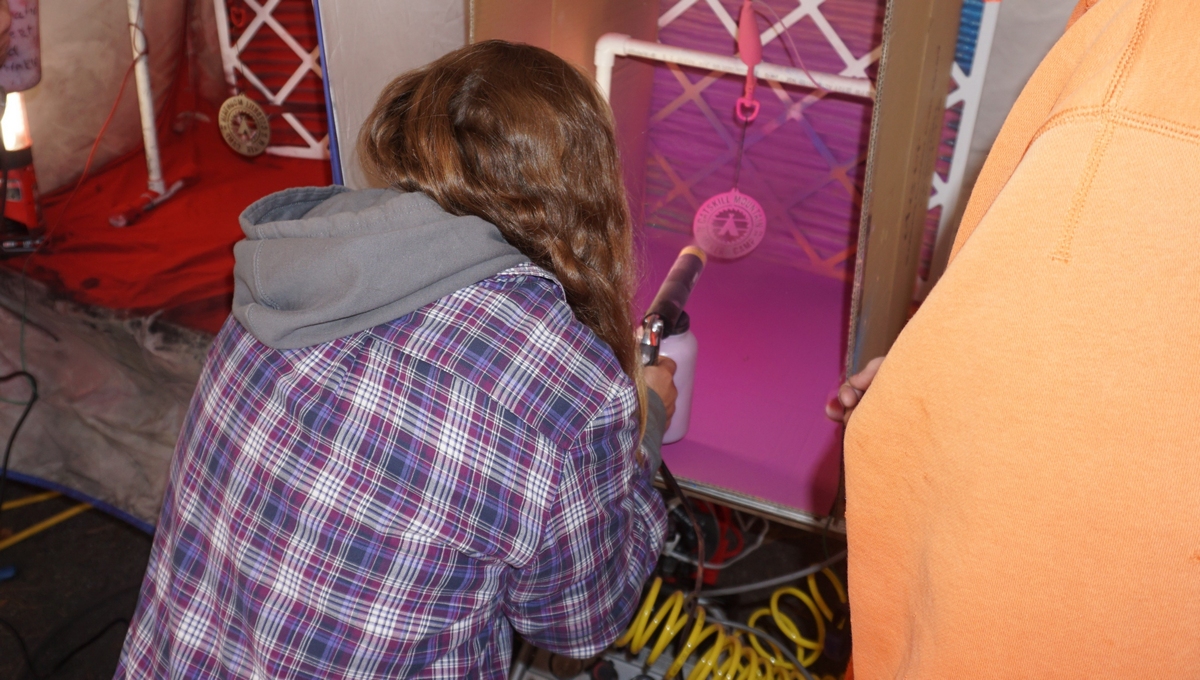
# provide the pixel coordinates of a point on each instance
(386, 504)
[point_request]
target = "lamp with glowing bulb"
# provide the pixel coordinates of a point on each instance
(22, 214)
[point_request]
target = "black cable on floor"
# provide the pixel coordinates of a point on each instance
(33, 396)
(65, 629)
(87, 643)
(825, 535)
(16, 635)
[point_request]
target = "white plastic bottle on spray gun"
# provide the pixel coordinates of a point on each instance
(681, 346)
(666, 330)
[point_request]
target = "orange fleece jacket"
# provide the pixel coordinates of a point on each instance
(1023, 477)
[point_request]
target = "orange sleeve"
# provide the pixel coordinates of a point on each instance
(1080, 9)
(1031, 110)
(1022, 478)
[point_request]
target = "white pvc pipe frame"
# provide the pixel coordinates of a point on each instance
(948, 194)
(613, 45)
(141, 72)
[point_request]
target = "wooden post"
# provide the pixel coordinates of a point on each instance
(919, 39)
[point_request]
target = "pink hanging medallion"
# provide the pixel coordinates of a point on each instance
(729, 225)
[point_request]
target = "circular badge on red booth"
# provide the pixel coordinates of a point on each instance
(244, 125)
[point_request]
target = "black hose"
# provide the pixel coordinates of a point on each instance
(673, 486)
(33, 395)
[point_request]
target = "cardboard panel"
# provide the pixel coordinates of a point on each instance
(525, 21)
(570, 29)
(365, 44)
(914, 74)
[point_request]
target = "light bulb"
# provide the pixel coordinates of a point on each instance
(15, 123)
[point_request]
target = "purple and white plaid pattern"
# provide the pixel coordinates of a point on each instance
(384, 505)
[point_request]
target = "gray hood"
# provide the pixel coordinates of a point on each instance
(320, 263)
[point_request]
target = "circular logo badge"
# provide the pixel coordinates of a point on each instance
(244, 125)
(729, 225)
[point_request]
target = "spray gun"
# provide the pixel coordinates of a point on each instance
(666, 331)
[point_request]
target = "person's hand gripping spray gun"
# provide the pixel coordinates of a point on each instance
(666, 331)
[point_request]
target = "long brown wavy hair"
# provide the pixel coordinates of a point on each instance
(517, 136)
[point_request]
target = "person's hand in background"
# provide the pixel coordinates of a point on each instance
(661, 378)
(851, 392)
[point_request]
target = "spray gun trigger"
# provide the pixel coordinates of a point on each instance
(652, 335)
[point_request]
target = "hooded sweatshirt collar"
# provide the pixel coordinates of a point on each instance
(320, 263)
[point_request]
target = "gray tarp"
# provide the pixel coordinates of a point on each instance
(113, 394)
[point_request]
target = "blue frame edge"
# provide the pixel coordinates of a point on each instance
(335, 157)
(83, 498)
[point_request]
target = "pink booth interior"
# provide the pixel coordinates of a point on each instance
(770, 349)
(771, 326)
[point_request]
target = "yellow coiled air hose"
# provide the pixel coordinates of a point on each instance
(728, 658)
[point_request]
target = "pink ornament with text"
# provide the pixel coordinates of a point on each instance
(729, 225)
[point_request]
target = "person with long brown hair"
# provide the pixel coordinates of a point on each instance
(425, 422)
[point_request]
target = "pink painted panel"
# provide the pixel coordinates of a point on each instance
(771, 327)
(770, 348)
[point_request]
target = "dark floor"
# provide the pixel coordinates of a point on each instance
(76, 581)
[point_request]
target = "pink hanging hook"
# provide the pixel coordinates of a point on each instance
(747, 109)
(750, 51)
